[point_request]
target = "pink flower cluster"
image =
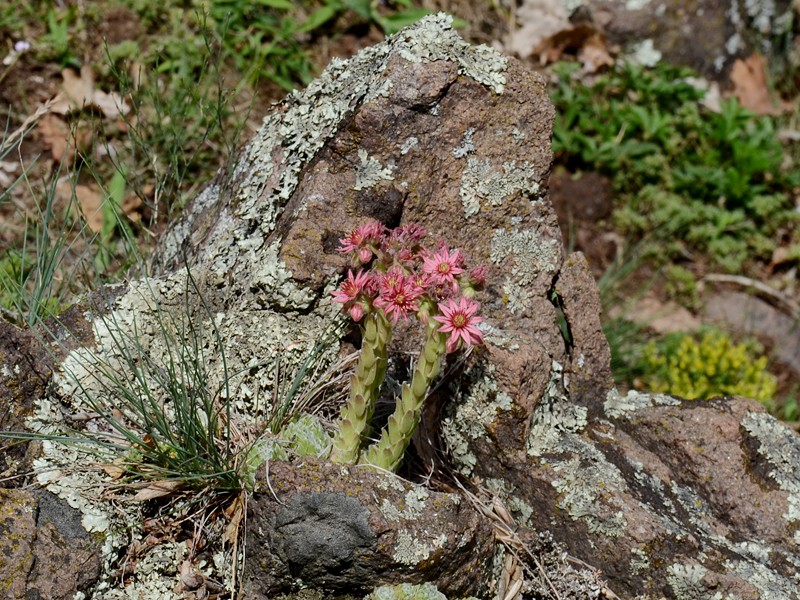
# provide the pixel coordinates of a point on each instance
(398, 275)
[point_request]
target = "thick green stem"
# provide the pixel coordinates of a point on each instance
(356, 415)
(396, 437)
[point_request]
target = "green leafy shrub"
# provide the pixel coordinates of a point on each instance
(700, 180)
(700, 367)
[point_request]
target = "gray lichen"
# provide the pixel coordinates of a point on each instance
(407, 591)
(484, 185)
(472, 411)
(413, 505)
(467, 146)
(619, 406)
(525, 254)
(589, 487)
(686, 581)
(780, 447)
(275, 284)
(406, 146)
(411, 551)
(554, 416)
(769, 584)
(370, 171)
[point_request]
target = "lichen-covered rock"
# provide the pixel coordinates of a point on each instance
(666, 498)
(351, 529)
(44, 550)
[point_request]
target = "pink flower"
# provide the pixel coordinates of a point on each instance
(443, 266)
(392, 278)
(459, 319)
(363, 240)
(409, 234)
(351, 287)
(399, 298)
(356, 311)
(477, 275)
(351, 293)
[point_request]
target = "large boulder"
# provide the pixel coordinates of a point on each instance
(574, 490)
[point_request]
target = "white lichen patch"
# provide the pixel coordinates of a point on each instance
(554, 416)
(780, 447)
(275, 284)
(370, 171)
(640, 561)
(467, 145)
(406, 146)
(505, 492)
(180, 231)
(472, 411)
(156, 573)
(482, 185)
(589, 487)
(433, 38)
(619, 406)
(412, 507)
(411, 551)
(755, 550)
(644, 53)
(770, 584)
(686, 580)
(407, 591)
(525, 254)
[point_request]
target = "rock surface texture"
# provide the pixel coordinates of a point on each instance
(707, 35)
(637, 496)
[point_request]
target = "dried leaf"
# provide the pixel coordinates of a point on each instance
(79, 92)
(538, 21)
(54, 132)
(131, 207)
(90, 201)
(113, 471)
(79, 89)
(235, 513)
(190, 577)
(594, 54)
(749, 78)
(157, 489)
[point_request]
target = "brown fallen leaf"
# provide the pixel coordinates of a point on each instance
(595, 54)
(79, 93)
(157, 489)
(54, 132)
(582, 40)
(235, 512)
(132, 208)
(90, 200)
(538, 20)
(113, 470)
(749, 79)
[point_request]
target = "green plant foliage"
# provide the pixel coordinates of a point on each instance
(681, 286)
(700, 180)
(707, 365)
